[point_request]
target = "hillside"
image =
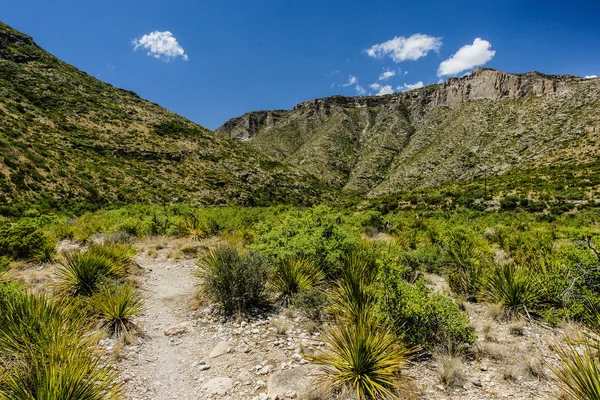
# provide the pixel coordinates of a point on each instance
(488, 122)
(70, 140)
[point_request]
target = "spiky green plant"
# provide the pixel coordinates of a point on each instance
(81, 273)
(363, 357)
(48, 352)
(354, 293)
(121, 256)
(513, 287)
(578, 370)
(46, 253)
(115, 304)
(293, 275)
(463, 256)
(4, 265)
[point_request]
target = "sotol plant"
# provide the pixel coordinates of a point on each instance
(515, 288)
(293, 275)
(363, 357)
(81, 273)
(115, 304)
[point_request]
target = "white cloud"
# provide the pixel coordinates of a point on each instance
(387, 89)
(387, 74)
(360, 90)
(351, 81)
(467, 57)
(410, 86)
(401, 48)
(161, 45)
(590, 76)
(375, 86)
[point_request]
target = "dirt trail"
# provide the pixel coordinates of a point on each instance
(162, 368)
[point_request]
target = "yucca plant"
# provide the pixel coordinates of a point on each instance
(121, 256)
(115, 304)
(362, 357)
(354, 293)
(81, 273)
(46, 253)
(513, 287)
(66, 375)
(578, 370)
(4, 265)
(48, 352)
(292, 275)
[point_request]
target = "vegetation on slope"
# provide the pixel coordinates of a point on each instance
(70, 141)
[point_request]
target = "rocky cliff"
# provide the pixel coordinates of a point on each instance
(487, 122)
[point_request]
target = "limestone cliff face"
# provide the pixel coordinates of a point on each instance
(489, 120)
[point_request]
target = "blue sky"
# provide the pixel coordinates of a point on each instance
(256, 54)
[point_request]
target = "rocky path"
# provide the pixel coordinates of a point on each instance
(162, 368)
(189, 353)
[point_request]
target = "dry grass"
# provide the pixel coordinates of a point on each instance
(281, 326)
(493, 351)
(490, 332)
(508, 373)
(516, 328)
(450, 371)
(534, 368)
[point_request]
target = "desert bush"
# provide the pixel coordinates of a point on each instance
(515, 288)
(235, 281)
(318, 235)
(21, 240)
(420, 317)
(115, 304)
(363, 358)
(355, 293)
(81, 273)
(293, 275)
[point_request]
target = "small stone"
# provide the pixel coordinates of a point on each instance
(440, 388)
(220, 349)
(179, 329)
(219, 385)
(477, 382)
(204, 367)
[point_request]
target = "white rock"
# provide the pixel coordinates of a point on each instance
(219, 385)
(220, 349)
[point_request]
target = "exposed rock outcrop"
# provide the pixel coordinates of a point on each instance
(488, 120)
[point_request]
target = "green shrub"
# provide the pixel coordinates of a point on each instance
(4, 265)
(120, 255)
(318, 235)
(292, 275)
(235, 281)
(354, 290)
(115, 304)
(420, 317)
(81, 273)
(21, 240)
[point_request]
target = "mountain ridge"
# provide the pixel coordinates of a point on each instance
(375, 144)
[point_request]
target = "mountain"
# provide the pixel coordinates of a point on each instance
(486, 123)
(70, 140)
